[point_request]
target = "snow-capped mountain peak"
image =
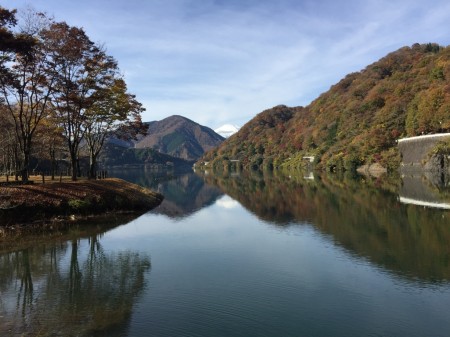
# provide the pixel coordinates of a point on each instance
(227, 130)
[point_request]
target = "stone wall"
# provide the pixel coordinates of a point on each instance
(415, 152)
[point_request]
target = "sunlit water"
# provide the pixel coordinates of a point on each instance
(327, 260)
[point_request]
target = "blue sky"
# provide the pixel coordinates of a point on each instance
(224, 61)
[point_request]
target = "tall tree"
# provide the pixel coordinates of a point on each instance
(114, 112)
(26, 84)
(84, 70)
(9, 151)
(50, 144)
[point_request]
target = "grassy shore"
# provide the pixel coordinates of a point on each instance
(43, 202)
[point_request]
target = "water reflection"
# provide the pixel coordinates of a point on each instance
(358, 215)
(28, 236)
(184, 193)
(429, 190)
(70, 288)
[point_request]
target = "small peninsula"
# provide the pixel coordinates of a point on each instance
(31, 203)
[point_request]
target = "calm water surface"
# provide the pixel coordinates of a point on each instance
(244, 255)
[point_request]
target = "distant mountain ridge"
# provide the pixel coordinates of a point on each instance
(174, 142)
(179, 137)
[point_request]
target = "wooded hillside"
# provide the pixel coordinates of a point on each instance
(357, 121)
(179, 137)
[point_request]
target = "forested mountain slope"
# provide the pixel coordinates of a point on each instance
(175, 141)
(179, 137)
(357, 121)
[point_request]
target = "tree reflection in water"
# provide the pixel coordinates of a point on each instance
(361, 214)
(57, 289)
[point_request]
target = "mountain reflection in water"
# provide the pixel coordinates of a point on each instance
(357, 214)
(184, 193)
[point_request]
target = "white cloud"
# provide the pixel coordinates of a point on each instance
(222, 62)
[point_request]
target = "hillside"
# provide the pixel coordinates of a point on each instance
(174, 142)
(114, 155)
(357, 121)
(179, 137)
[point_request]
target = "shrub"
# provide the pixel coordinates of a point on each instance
(79, 205)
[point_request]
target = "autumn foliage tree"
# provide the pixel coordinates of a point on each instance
(50, 145)
(83, 70)
(113, 110)
(53, 72)
(12, 42)
(9, 151)
(25, 88)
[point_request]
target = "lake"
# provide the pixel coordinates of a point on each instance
(246, 254)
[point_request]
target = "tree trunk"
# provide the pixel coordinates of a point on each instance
(73, 152)
(92, 166)
(26, 154)
(24, 170)
(16, 164)
(73, 163)
(24, 174)
(53, 162)
(78, 167)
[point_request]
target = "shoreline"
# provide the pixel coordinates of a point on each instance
(38, 205)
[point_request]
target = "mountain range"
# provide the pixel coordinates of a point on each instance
(357, 121)
(179, 137)
(175, 141)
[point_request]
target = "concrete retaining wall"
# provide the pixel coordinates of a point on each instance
(415, 151)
